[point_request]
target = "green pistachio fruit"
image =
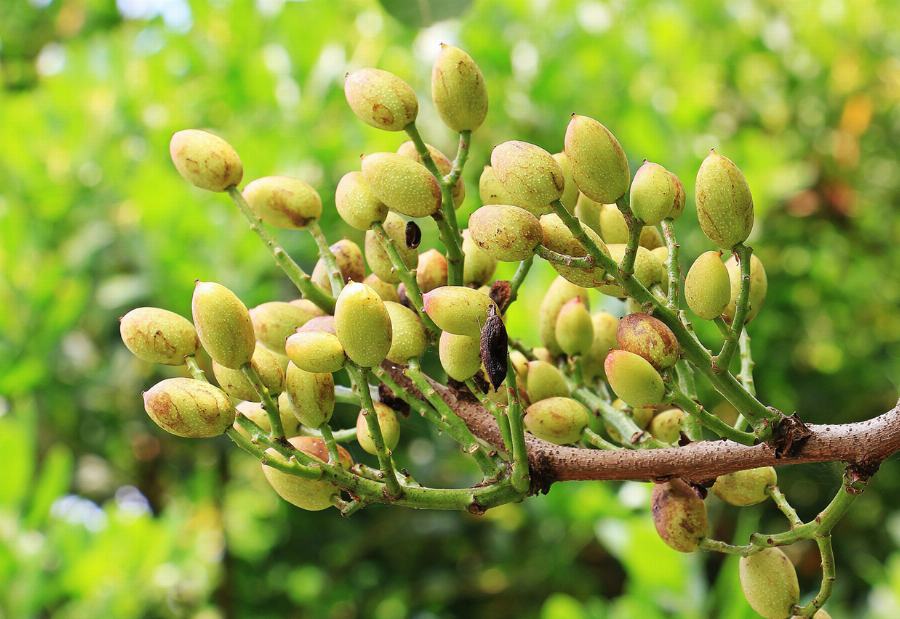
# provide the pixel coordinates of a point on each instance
(574, 328)
(530, 176)
(387, 421)
(189, 408)
(362, 324)
(255, 412)
(724, 203)
(544, 381)
(646, 269)
(309, 494)
(479, 265)
(158, 336)
(223, 325)
(205, 160)
(569, 197)
(443, 164)
(311, 395)
(560, 239)
(604, 340)
(653, 193)
(706, 287)
(404, 185)
(387, 292)
(666, 425)
(460, 355)
(743, 488)
(457, 309)
(759, 286)
(355, 202)
(458, 90)
(490, 189)
(599, 165)
(377, 257)
(283, 202)
(558, 293)
(408, 339)
(508, 233)
(633, 378)
(648, 337)
(558, 420)
(274, 321)
(588, 213)
(769, 582)
(432, 270)
(381, 99)
(270, 367)
(679, 515)
(315, 351)
(349, 260)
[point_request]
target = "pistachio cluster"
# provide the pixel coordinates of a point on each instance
(622, 377)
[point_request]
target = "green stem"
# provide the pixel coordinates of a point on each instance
(268, 403)
(346, 435)
(673, 269)
(194, 368)
(584, 262)
(345, 395)
(710, 421)
(826, 554)
(742, 306)
(784, 506)
(407, 276)
(298, 276)
(715, 545)
(685, 375)
(592, 438)
(286, 466)
(519, 277)
(633, 436)
(634, 236)
(499, 415)
(747, 364)
(330, 444)
(462, 155)
(359, 376)
(335, 277)
(521, 474)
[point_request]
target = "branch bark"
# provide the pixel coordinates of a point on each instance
(864, 444)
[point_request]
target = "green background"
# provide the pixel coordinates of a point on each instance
(102, 515)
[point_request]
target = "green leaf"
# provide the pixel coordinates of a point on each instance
(421, 13)
(53, 482)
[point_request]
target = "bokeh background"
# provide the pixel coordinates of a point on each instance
(102, 515)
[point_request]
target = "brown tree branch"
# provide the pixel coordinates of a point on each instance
(864, 444)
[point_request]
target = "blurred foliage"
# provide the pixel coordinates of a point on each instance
(102, 515)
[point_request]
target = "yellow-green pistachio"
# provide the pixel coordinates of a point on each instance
(508, 233)
(311, 395)
(309, 494)
(381, 99)
(680, 197)
(274, 321)
(490, 189)
(558, 237)
(641, 415)
(743, 488)
(706, 287)
(558, 293)
(255, 412)
(544, 381)
(679, 515)
(653, 193)
(660, 253)
(431, 271)
(269, 366)
(283, 202)
(223, 325)
(349, 260)
(588, 213)
(646, 269)
(320, 323)
(189, 408)
(408, 340)
(633, 378)
(559, 420)
(460, 355)
(769, 582)
(569, 197)
(724, 203)
(387, 421)
(599, 165)
(387, 292)
(651, 238)
(519, 362)
(205, 160)
(355, 202)
(604, 340)
(404, 185)
(362, 325)
(759, 286)
(457, 309)
(158, 336)
(443, 164)
(458, 90)
(574, 328)
(530, 176)
(650, 338)
(613, 227)
(479, 265)
(316, 351)
(666, 425)
(377, 257)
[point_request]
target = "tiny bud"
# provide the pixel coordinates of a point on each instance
(508, 233)
(283, 202)
(574, 328)
(432, 270)
(377, 257)
(158, 336)
(269, 365)
(362, 325)
(408, 340)
(558, 293)
(355, 202)
(769, 582)
(205, 160)
(387, 421)
(544, 381)
(402, 184)
(479, 265)
(706, 287)
(223, 325)
(599, 165)
(316, 351)
(666, 425)
(460, 355)
(724, 203)
(743, 488)
(381, 99)
(759, 286)
(633, 378)
(274, 321)
(458, 90)
(308, 494)
(558, 420)
(650, 338)
(311, 395)
(653, 193)
(679, 515)
(457, 309)
(189, 408)
(530, 176)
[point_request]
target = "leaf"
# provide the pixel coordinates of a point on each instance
(54, 480)
(421, 13)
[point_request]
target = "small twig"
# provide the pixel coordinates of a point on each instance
(269, 404)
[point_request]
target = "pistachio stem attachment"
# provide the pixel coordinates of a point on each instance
(359, 376)
(673, 268)
(708, 420)
(334, 273)
(595, 440)
(499, 415)
(633, 437)
(784, 506)
(269, 404)
(721, 361)
(194, 368)
(554, 257)
(297, 275)
(521, 474)
(459, 162)
(330, 443)
(626, 271)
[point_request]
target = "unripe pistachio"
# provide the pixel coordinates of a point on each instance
(457, 309)
(362, 325)
(158, 336)
(574, 328)
(641, 415)
(650, 238)
(519, 362)
(508, 233)
(599, 165)
(666, 425)
(530, 176)
(316, 351)
(650, 338)
(743, 488)
(558, 420)
(660, 253)
(460, 355)
(443, 164)
(309, 494)
(269, 366)
(432, 270)
(724, 203)
(680, 197)
(274, 321)
(569, 197)
(255, 412)
(653, 193)
(543, 354)
(381, 99)
(457, 89)
(283, 202)
(604, 340)
(387, 292)
(726, 411)
(319, 323)
(558, 293)
(679, 515)
(759, 286)
(706, 287)
(559, 238)
(205, 160)
(408, 340)
(404, 185)
(769, 582)
(613, 227)
(544, 381)
(479, 265)
(820, 614)
(355, 202)
(633, 378)
(490, 189)
(588, 213)
(377, 257)
(223, 325)
(189, 408)
(646, 269)
(311, 395)
(349, 260)
(387, 421)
